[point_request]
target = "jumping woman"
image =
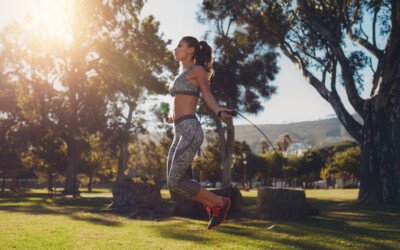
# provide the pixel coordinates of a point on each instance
(196, 60)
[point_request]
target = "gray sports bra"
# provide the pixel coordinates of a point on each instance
(181, 86)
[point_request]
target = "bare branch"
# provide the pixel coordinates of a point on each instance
(370, 47)
(363, 42)
(352, 126)
(297, 60)
(348, 78)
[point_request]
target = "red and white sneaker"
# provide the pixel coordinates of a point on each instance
(219, 213)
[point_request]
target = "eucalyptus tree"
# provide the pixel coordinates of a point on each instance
(332, 42)
(244, 69)
(59, 70)
(27, 96)
(136, 65)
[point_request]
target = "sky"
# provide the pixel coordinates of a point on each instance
(295, 100)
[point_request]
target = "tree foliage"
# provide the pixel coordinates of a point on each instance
(70, 94)
(347, 165)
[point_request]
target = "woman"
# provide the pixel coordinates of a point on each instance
(196, 60)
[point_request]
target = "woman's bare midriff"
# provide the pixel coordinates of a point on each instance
(184, 105)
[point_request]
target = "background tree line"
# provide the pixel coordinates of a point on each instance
(341, 161)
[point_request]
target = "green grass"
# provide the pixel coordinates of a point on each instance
(31, 220)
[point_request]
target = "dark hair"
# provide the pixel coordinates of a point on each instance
(203, 53)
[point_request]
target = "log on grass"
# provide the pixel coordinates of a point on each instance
(281, 203)
(185, 207)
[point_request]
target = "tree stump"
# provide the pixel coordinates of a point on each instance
(140, 199)
(185, 207)
(281, 203)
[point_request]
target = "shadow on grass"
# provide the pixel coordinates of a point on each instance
(75, 208)
(342, 223)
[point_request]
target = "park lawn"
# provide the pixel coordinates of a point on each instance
(33, 221)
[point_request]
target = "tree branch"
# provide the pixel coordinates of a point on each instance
(370, 47)
(354, 128)
(297, 60)
(374, 27)
(351, 125)
(348, 76)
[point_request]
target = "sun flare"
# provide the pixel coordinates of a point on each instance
(51, 18)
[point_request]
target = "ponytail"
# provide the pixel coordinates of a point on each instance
(203, 54)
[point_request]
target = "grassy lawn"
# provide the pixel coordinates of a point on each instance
(33, 221)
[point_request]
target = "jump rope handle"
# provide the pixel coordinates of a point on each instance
(232, 113)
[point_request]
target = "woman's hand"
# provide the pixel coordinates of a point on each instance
(169, 120)
(224, 115)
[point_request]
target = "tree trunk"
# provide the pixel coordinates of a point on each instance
(122, 161)
(380, 171)
(71, 155)
(3, 183)
(50, 182)
(90, 183)
(123, 153)
(14, 180)
(226, 146)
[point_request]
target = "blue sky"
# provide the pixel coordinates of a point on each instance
(295, 100)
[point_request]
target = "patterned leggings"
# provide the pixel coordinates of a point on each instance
(187, 141)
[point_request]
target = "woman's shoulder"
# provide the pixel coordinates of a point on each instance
(198, 70)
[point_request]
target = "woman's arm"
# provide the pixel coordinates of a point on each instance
(201, 79)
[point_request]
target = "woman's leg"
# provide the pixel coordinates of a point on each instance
(208, 198)
(187, 141)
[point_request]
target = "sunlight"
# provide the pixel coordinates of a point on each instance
(51, 17)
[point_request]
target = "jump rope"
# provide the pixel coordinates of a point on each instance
(236, 113)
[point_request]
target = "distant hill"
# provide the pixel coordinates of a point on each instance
(314, 134)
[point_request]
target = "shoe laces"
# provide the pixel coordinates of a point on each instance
(208, 209)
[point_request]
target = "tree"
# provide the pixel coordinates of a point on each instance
(31, 71)
(209, 167)
(264, 146)
(246, 165)
(283, 142)
(324, 174)
(243, 72)
(346, 165)
(310, 167)
(9, 123)
(106, 50)
(273, 167)
(95, 159)
(332, 42)
(137, 65)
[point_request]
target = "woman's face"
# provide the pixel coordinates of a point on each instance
(182, 51)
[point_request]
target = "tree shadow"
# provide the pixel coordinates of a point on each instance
(343, 224)
(340, 221)
(75, 208)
